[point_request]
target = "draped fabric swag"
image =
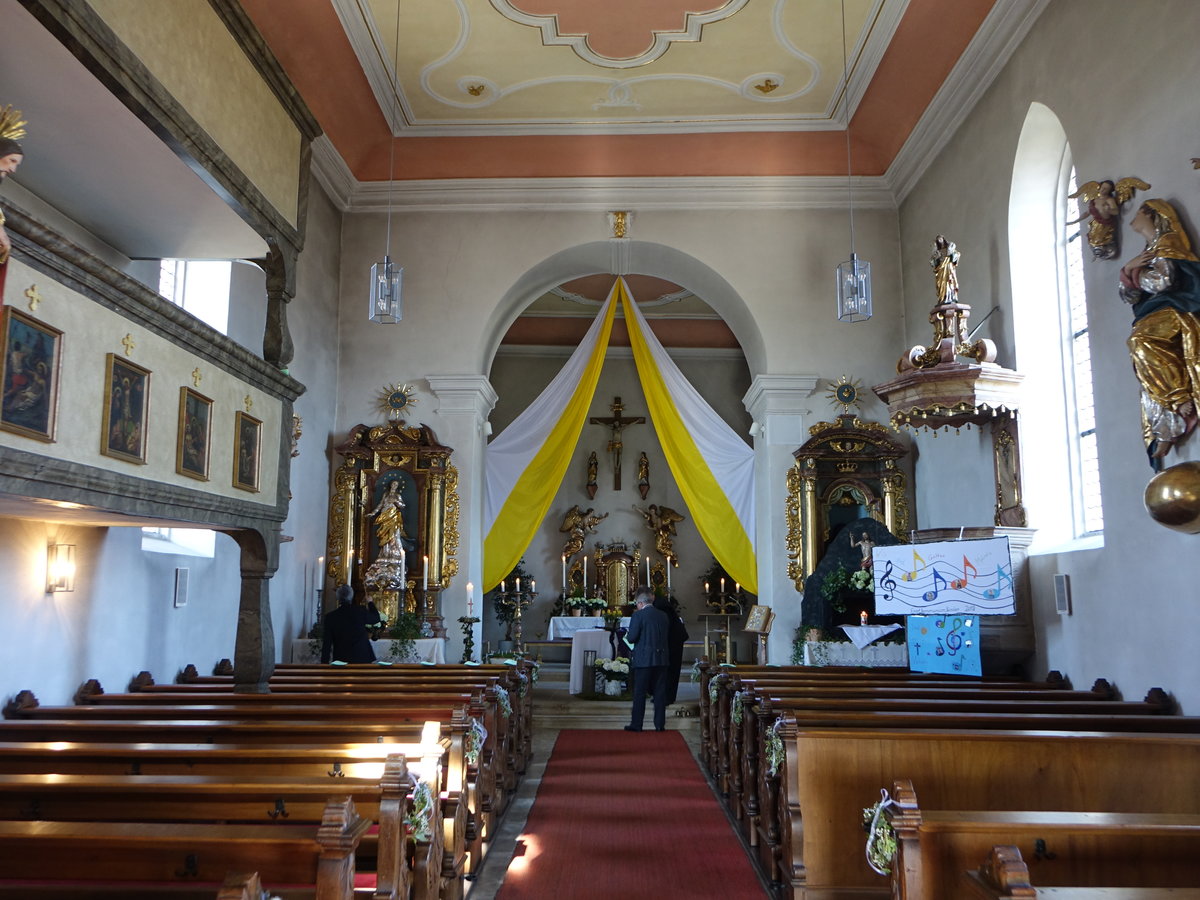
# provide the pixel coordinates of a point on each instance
(713, 467)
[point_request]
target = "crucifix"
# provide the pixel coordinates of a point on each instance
(616, 424)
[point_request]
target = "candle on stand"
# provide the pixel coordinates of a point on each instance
(722, 586)
(862, 617)
(647, 568)
(425, 576)
(668, 572)
(518, 585)
(706, 587)
(502, 587)
(737, 588)
(585, 576)
(564, 567)
(470, 600)
(533, 585)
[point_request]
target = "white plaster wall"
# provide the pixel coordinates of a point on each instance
(768, 273)
(1130, 111)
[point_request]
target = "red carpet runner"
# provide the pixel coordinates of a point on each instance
(626, 815)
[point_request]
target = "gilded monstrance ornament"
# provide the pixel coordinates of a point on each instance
(845, 392)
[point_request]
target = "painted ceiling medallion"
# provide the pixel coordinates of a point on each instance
(618, 34)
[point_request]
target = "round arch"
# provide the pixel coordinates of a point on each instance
(645, 258)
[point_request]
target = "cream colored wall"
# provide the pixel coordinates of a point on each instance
(194, 56)
(1128, 109)
(90, 333)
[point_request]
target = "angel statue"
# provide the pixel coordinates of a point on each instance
(578, 523)
(1163, 285)
(1104, 200)
(661, 520)
(12, 128)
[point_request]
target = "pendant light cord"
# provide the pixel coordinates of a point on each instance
(391, 125)
(846, 105)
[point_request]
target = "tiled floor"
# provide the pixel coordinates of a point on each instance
(553, 710)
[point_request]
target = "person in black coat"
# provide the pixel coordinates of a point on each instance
(345, 630)
(677, 636)
(648, 629)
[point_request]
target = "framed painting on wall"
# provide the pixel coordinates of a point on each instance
(195, 430)
(126, 404)
(29, 375)
(247, 432)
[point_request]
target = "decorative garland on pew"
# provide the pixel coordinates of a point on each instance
(714, 687)
(522, 683)
(503, 701)
(739, 700)
(695, 670)
(881, 839)
(473, 742)
(774, 748)
(420, 814)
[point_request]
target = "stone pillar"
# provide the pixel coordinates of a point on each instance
(779, 406)
(254, 646)
(464, 402)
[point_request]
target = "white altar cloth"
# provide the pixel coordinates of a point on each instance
(861, 635)
(562, 627)
(843, 653)
(583, 640)
(430, 650)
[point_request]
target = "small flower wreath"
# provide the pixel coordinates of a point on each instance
(473, 742)
(739, 700)
(503, 701)
(420, 813)
(522, 683)
(714, 688)
(695, 670)
(774, 748)
(881, 838)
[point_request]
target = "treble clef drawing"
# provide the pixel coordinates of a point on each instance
(887, 582)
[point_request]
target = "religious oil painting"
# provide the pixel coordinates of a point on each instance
(247, 448)
(195, 428)
(29, 374)
(126, 404)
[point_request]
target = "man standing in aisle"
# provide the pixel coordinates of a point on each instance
(647, 635)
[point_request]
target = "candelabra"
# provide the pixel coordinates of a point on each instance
(468, 637)
(518, 601)
(722, 601)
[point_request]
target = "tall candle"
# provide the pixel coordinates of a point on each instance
(585, 576)
(722, 586)
(564, 568)
(647, 569)
(533, 585)
(502, 587)
(425, 576)
(706, 587)
(668, 573)
(470, 599)
(518, 585)
(737, 588)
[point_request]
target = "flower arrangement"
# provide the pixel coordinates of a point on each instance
(615, 675)
(881, 839)
(596, 604)
(612, 617)
(840, 579)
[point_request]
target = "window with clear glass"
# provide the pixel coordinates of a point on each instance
(200, 286)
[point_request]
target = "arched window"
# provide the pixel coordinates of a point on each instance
(1060, 465)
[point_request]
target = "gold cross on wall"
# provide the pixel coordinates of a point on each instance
(196, 376)
(34, 297)
(128, 343)
(249, 403)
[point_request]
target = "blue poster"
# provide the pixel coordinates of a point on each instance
(947, 644)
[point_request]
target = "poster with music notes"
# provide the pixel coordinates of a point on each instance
(944, 577)
(946, 644)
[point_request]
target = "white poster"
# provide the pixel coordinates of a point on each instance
(944, 577)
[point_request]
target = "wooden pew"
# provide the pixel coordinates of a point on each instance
(831, 774)
(78, 854)
(1102, 849)
(1004, 876)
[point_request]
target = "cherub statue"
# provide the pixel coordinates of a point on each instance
(578, 524)
(1163, 285)
(661, 520)
(1104, 200)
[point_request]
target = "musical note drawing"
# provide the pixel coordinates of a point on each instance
(940, 651)
(930, 596)
(959, 583)
(887, 582)
(954, 640)
(912, 576)
(1001, 577)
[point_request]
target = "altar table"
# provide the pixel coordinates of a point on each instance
(431, 650)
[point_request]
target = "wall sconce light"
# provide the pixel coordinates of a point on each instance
(60, 568)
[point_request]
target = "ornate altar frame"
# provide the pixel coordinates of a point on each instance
(617, 571)
(375, 455)
(848, 462)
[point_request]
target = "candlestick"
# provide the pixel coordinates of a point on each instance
(425, 576)
(564, 568)
(647, 569)
(862, 617)
(668, 572)
(470, 599)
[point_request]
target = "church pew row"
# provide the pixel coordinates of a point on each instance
(469, 818)
(1005, 876)
(288, 802)
(494, 778)
(147, 857)
(832, 774)
(1101, 849)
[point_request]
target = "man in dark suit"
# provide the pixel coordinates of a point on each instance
(648, 629)
(677, 636)
(345, 630)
